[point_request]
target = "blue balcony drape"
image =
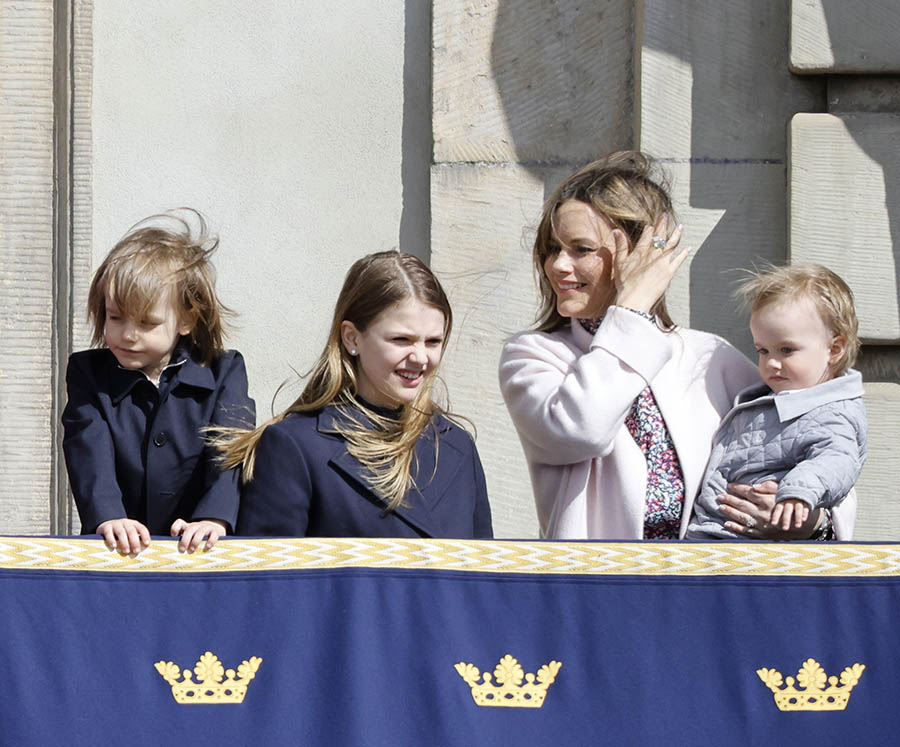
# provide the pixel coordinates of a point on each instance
(658, 643)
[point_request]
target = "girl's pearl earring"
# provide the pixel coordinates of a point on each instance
(353, 351)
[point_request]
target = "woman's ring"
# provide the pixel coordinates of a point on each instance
(750, 522)
(659, 242)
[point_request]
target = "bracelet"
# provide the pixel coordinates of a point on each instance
(648, 317)
(825, 531)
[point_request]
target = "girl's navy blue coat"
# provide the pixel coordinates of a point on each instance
(305, 483)
(137, 451)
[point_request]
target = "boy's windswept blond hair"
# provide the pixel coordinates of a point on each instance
(831, 296)
(165, 253)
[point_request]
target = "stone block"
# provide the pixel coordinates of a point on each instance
(713, 82)
(835, 36)
(531, 81)
(844, 180)
(481, 252)
(879, 363)
(878, 515)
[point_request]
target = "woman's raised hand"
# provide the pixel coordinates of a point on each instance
(642, 275)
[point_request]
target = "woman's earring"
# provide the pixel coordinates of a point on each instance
(353, 351)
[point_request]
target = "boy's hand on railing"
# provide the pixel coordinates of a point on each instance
(128, 536)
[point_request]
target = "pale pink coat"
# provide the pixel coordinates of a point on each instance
(568, 393)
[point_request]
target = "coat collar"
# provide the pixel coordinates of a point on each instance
(184, 370)
(581, 336)
(796, 402)
(584, 338)
(420, 503)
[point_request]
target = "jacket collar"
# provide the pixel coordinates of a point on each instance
(584, 338)
(581, 336)
(420, 503)
(796, 402)
(332, 416)
(184, 370)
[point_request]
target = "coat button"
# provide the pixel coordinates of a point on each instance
(160, 438)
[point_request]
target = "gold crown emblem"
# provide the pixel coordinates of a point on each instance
(214, 683)
(509, 691)
(814, 696)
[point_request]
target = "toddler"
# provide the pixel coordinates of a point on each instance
(137, 407)
(805, 426)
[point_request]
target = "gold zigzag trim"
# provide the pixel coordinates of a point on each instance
(496, 556)
(812, 695)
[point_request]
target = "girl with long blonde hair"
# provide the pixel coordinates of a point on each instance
(365, 450)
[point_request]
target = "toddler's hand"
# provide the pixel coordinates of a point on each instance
(790, 511)
(194, 532)
(129, 536)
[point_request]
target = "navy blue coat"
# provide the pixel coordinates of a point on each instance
(137, 451)
(305, 483)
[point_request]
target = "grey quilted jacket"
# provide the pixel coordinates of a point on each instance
(812, 441)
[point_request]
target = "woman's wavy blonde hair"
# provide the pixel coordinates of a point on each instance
(384, 445)
(623, 189)
(169, 254)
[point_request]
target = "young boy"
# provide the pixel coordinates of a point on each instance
(805, 426)
(140, 401)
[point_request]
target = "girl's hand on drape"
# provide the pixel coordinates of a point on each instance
(194, 532)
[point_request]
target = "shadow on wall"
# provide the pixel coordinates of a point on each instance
(742, 99)
(564, 74)
(873, 146)
(415, 168)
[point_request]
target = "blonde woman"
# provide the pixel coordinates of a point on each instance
(615, 405)
(365, 451)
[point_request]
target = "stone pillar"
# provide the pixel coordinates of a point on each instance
(844, 179)
(27, 266)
